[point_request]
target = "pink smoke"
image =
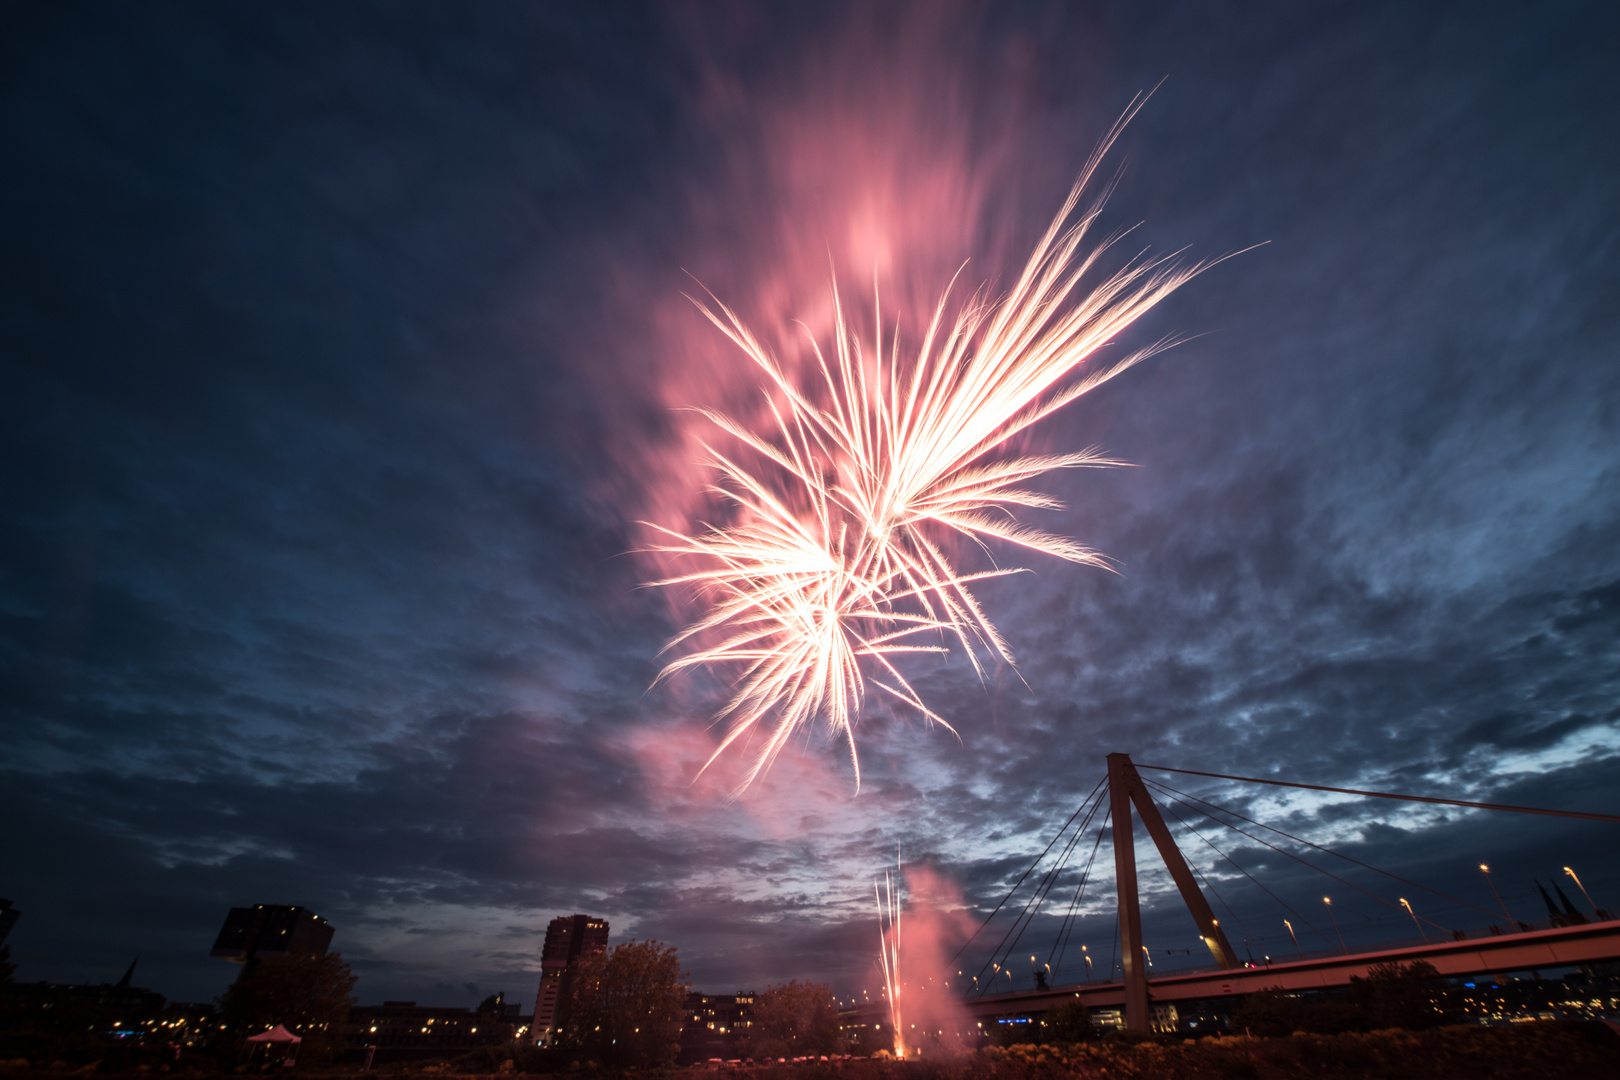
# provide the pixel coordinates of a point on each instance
(934, 926)
(868, 154)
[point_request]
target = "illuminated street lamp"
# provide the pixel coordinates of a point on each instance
(1486, 870)
(1087, 954)
(1584, 893)
(1342, 946)
(1415, 922)
(1295, 939)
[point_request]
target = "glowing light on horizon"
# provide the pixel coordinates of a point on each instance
(838, 560)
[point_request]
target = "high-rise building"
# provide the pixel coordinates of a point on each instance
(8, 918)
(271, 930)
(568, 938)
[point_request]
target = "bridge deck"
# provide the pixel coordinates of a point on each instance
(1558, 947)
(1562, 946)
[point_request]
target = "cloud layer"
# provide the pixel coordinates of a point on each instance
(341, 354)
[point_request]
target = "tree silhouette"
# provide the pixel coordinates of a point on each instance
(793, 1020)
(309, 995)
(625, 1007)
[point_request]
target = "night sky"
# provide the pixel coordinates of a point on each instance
(344, 346)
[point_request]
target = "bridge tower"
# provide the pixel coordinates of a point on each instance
(1125, 788)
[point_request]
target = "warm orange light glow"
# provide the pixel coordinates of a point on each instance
(888, 904)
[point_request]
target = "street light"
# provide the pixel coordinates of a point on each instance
(1087, 954)
(1584, 893)
(1342, 946)
(1415, 922)
(1295, 938)
(1486, 870)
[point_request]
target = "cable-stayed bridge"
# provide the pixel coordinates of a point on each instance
(1525, 950)
(1510, 945)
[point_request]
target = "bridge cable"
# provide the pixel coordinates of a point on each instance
(1392, 795)
(1114, 949)
(1026, 873)
(1169, 805)
(1046, 880)
(1302, 862)
(1067, 929)
(1049, 881)
(1346, 858)
(1248, 935)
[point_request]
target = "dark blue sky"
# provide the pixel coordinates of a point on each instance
(337, 351)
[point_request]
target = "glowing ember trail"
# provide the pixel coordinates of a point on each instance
(888, 905)
(837, 561)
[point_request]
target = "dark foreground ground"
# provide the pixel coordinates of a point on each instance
(1537, 1051)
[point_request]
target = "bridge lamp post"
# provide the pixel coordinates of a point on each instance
(1486, 870)
(1295, 939)
(1415, 922)
(1342, 946)
(1087, 954)
(1584, 893)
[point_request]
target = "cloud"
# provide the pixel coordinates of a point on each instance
(339, 358)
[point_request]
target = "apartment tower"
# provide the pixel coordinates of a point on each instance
(569, 938)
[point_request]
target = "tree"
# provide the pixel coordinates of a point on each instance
(310, 995)
(1069, 1022)
(625, 1006)
(1400, 996)
(794, 1020)
(1275, 1013)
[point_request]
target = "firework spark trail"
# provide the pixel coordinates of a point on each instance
(888, 907)
(838, 556)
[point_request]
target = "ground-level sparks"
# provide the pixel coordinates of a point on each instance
(888, 906)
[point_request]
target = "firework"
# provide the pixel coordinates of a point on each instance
(888, 908)
(839, 558)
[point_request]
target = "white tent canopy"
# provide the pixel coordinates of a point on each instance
(277, 1034)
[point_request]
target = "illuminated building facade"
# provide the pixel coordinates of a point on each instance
(714, 1025)
(568, 939)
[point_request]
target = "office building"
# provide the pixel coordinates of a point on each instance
(568, 939)
(8, 919)
(271, 930)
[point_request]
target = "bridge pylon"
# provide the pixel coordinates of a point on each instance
(1125, 788)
